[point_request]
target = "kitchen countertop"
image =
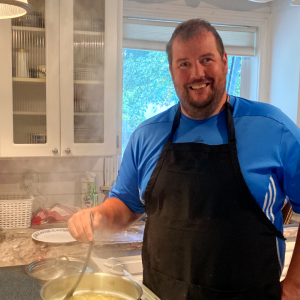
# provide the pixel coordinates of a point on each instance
(18, 248)
(16, 285)
(291, 229)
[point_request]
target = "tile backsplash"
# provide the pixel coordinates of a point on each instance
(54, 179)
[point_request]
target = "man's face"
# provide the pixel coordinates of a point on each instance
(199, 75)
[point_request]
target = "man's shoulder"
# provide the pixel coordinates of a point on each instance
(244, 108)
(158, 121)
(150, 136)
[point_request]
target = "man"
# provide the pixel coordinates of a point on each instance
(212, 174)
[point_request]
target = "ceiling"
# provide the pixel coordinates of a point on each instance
(236, 5)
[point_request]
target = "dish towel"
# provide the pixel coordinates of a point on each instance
(58, 213)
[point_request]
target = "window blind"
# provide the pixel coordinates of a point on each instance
(154, 34)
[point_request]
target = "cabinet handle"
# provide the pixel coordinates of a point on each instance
(67, 150)
(54, 150)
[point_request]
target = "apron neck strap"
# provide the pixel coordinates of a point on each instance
(230, 123)
(176, 121)
(229, 120)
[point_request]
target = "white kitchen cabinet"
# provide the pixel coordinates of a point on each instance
(61, 79)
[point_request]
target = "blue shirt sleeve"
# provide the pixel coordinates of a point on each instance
(290, 157)
(126, 187)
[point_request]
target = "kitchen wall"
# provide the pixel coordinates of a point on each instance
(235, 5)
(54, 180)
(285, 61)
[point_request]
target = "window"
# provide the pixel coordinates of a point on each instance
(233, 80)
(148, 88)
(147, 84)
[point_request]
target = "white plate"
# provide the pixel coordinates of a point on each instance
(53, 235)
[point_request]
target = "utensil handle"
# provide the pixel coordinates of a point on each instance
(70, 294)
(92, 221)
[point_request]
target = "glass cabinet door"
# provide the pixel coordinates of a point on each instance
(29, 76)
(90, 38)
(88, 58)
(61, 79)
(30, 82)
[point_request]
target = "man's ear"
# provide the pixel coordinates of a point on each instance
(170, 69)
(225, 61)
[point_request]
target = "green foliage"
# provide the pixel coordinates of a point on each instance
(146, 80)
(237, 87)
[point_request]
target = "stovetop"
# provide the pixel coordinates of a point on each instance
(15, 284)
(147, 294)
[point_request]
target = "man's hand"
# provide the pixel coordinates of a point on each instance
(80, 224)
(110, 217)
(288, 293)
(290, 286)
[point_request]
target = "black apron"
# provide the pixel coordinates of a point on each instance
(206, 237)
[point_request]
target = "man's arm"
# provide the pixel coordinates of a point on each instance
(110, 217)
(291, 283)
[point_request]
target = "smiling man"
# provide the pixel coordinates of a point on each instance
(199, 74)
(212, 174)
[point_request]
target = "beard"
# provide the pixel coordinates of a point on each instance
(205, 108)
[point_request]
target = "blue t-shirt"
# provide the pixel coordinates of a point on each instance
(268, 145)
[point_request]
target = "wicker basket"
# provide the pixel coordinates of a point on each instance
(15, 210)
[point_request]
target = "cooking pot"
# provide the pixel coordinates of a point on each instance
(93, 282)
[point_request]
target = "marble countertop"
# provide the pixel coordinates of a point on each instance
(291, 229)
(18, 248)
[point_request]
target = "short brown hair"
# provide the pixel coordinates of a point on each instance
(189, 29)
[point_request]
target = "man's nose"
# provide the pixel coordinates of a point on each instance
(198, 70)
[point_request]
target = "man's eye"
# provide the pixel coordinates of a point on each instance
(184, 64)
(206, 60)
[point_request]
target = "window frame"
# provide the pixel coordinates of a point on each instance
(258, 86)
